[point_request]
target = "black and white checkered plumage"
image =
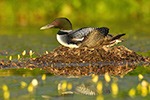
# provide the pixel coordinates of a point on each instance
(86, 36)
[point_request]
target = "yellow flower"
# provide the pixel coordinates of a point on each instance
(107, 77)
(10, 58)
(132, 93)
(18, 56)
(24, 53)
(34, 82)
(43, 76)
(114, 88)
(23, 84)
(64, 85)
(69, 86)
(100, 87)
(94, 78)
(140, 77)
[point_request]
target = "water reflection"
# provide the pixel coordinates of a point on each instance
(100, 68)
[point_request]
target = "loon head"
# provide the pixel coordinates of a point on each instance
(61, 23)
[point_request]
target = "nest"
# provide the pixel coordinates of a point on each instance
(116, 60)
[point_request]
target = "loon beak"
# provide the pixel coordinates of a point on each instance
(47, 27)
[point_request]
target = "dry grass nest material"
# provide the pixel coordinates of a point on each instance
(116, 54)
(84, 55)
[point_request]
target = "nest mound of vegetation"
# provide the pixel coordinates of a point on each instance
(115, 60)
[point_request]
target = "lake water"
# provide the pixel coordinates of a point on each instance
(15, 40)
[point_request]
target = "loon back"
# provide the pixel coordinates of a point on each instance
(87, 36)
(95, 37)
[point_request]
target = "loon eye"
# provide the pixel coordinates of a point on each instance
(57, 22)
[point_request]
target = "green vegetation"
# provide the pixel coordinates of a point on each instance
(139, 70)
(36, 12)
(144, 53)
(26, 72)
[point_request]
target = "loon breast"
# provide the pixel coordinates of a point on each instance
(63, 39)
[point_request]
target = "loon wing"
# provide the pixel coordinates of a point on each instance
(80, 34)
(83, 33)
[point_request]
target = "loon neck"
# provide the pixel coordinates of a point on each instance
(63, 32)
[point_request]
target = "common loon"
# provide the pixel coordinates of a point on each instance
(86, 36)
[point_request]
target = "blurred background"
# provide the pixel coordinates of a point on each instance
(20, 21)
(80, 12)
